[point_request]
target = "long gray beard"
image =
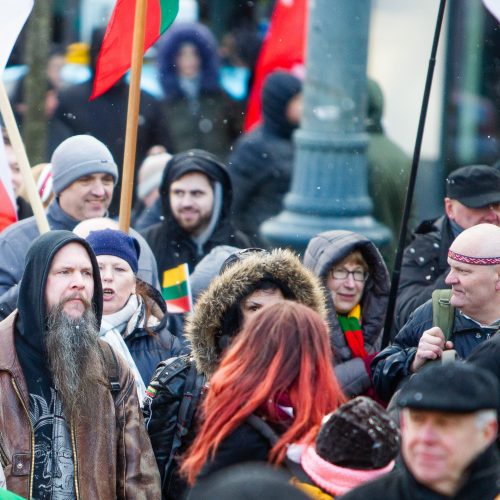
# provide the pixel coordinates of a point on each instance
(74, 357)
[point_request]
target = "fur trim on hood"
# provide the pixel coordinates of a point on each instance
(233, 285)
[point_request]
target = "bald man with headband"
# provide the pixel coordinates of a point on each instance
(474, 260)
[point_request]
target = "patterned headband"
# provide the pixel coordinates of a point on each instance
(478, 261)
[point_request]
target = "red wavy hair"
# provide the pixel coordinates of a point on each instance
(284, 348)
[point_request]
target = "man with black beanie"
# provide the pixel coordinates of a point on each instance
(70, 423)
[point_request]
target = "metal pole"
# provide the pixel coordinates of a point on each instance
(329, 185)
(411, 185)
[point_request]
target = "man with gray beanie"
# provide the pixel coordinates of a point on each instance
(448, 430)
(84, 175)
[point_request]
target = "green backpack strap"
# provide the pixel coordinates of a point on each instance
(443, 313)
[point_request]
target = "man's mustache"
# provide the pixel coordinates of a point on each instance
(76, 296)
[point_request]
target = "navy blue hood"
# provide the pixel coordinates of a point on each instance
(170, 44)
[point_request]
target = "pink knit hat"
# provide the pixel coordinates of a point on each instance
(334, 479)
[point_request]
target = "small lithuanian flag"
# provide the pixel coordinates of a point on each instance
(176, 289)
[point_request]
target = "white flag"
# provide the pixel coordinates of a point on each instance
(493, 6)
(13, 15)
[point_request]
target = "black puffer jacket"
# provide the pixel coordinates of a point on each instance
(261, 163)
(424, 268)
(322, 252)
(163, 401)
(172, 245)
(392, 365)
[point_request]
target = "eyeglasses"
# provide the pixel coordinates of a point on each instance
(342, 274)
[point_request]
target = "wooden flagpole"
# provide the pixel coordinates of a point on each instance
(22, 159)
(134, 96)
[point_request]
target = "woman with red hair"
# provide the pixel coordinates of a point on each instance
(279, 370)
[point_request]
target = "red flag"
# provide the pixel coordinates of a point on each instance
(283, 48)
(8, 212)
(115, 57)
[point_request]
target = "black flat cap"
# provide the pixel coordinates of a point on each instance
(455, 387)
(474, 186)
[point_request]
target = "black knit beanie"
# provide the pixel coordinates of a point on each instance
(359, 435)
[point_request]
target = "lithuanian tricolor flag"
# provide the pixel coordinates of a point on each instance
(176, 289)
(115, 56)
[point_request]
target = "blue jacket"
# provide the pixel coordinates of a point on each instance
(392, 365)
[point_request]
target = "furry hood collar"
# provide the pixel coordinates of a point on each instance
(233, 285)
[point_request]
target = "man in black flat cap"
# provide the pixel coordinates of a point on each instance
(472, 197)
(448, 429)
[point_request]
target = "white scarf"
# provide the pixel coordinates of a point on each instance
(125, 320)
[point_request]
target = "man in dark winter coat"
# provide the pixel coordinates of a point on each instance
(105, 118)
(448, 430)
(261, 164)
(474, 260)
(84, 175)
(196, 201)
(254, 279)
(472, 197)
(70, 421)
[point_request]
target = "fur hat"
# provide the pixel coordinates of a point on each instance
(77, 157)
(359, 435)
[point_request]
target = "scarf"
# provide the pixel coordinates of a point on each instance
(351, 326)
(125, 320)
(334, 479)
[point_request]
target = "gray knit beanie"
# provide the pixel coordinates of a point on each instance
(79, 156)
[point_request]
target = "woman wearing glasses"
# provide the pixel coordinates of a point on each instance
(353, 271)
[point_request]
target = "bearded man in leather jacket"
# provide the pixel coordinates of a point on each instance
(70, 423)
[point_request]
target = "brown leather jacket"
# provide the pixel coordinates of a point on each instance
(112, 453)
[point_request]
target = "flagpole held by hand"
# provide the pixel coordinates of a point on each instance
(134, 97)
(22, 159)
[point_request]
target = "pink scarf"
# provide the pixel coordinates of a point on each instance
(334, 479)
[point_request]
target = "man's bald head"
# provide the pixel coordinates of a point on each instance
(474, 260)
(481, 242)
(84, 227)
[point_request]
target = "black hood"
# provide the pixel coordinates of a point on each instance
(195, 160)
(31, 301)
(279, 89)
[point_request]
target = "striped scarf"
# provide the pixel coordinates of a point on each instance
(351, 326)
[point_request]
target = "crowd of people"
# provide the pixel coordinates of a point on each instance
(276, 383)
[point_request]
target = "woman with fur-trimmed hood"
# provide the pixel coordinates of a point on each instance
(254, 279)
(354, 273)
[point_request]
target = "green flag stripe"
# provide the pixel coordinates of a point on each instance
(175, 291)
(169, 10)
